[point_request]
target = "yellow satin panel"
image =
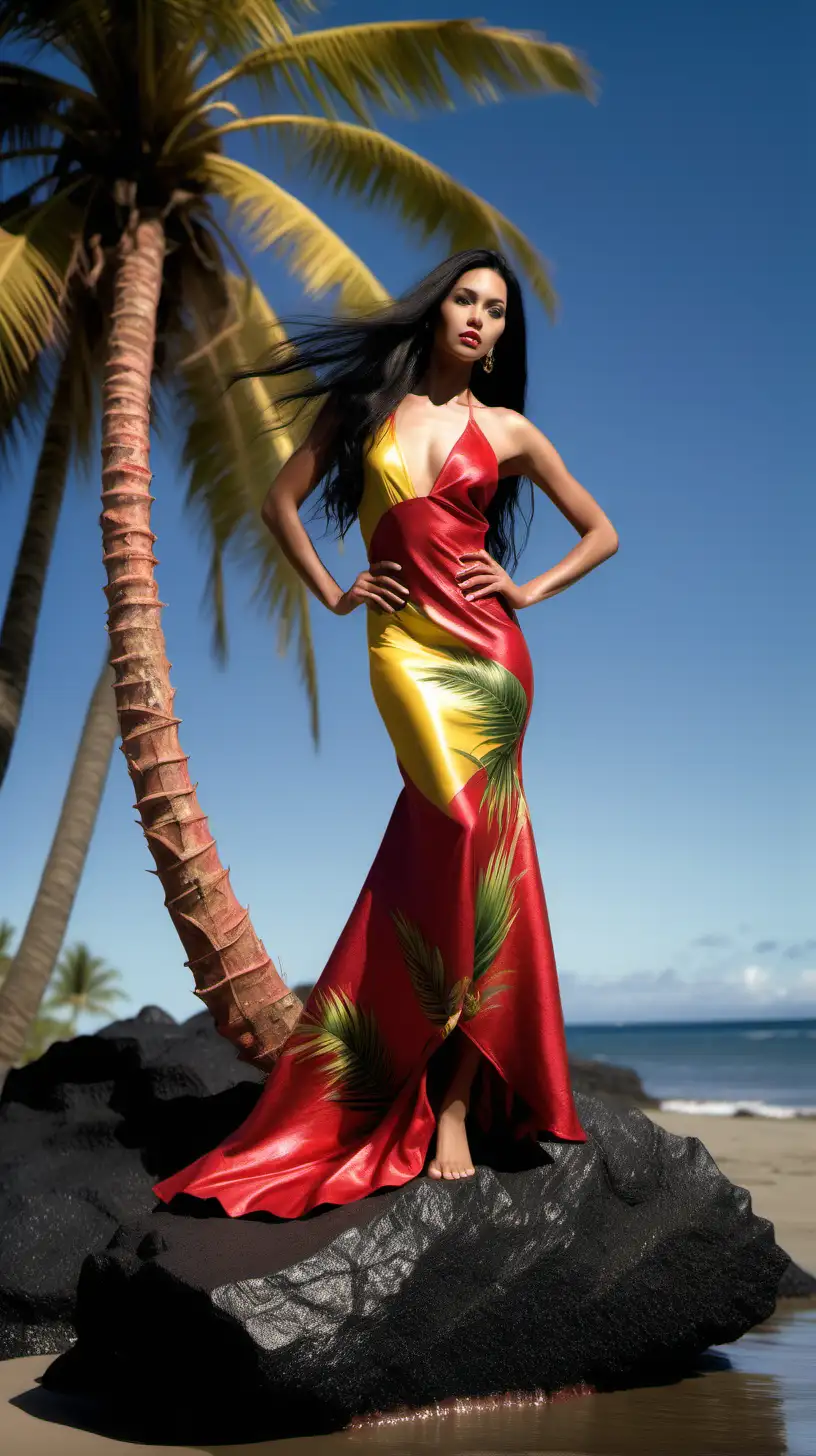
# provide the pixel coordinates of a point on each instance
(425, 723)
(385, 480)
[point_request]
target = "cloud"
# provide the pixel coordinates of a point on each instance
(742, 991)
(764, 947)
(760, 983)
(713, 941)
(799, 950)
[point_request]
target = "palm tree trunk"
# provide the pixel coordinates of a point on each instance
(33, 965)
(22, 612)
(235, 978)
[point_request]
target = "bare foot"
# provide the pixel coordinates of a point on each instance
(452, 1159)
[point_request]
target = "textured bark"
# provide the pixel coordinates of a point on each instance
(235, 978)
(32, 966)
(22, 612)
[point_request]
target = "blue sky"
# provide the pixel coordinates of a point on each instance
(668, 762)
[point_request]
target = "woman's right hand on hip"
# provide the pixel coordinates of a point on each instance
(377, 587)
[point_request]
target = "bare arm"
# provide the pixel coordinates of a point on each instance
(280, 513)
(528, 452)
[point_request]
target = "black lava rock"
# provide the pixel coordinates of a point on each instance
(610, 1262)
(796, 1283)
(619, 1085)
(86, 1131)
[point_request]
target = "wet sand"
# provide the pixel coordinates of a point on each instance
(774, 1160)
(753, 1398)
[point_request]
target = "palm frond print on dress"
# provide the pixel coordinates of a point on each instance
(494, 914)
(357, 1061)
(496, 702)
(426, 968)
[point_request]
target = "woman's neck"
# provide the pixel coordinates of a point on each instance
(446, 380)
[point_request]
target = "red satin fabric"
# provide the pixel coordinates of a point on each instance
(306, 1143)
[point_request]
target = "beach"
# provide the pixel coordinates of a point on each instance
(774, 1159)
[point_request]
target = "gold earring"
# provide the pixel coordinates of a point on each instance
(488, 361)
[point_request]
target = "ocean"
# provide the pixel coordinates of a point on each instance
(725, 1067)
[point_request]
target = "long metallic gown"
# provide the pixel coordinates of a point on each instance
(450, 929)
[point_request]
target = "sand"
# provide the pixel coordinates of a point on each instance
(774, 1160)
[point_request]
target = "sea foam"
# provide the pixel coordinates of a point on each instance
(731, 1109)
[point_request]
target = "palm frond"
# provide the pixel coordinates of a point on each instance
(87, 324)
(23, 414)
(426, 969)
(7, 934)
(247, 24)
(356, 1058)
(496, 702)
(61, 387)
(83, 983)
(234, 447)
(42, 1034)
(284, 595)
(495, 906)
(32, 105)
(401, 65)
(35, 253)
(274, 219)
(384, 173)
(103, 979)
(214, 599)
(488, 994)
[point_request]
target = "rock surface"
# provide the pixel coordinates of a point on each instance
(796, 1283)
(609, 1263)
(619, 1085)
(87, 1129)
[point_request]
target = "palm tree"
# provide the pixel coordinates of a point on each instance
(131, 166)
(66, 437)
(44, 1029)
(31, 969)
(83, 986)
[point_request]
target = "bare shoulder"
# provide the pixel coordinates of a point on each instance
(522, 449)
(513, 437)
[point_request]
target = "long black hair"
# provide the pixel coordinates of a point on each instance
(366, 365)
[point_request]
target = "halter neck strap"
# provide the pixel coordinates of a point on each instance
(470, 404)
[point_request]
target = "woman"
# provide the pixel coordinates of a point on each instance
(423, 439)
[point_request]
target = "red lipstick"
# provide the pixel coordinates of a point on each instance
(469, 336)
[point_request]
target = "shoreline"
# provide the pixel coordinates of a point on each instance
(714, 1107)
(774, 1158)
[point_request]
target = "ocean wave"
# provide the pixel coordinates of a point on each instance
(786, 1033)
(731, 1109)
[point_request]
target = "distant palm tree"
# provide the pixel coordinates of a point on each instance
(44, 1029)
(32, 966)
(7, 934)
(130, 183)
(42, 1033)
(83, 986)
